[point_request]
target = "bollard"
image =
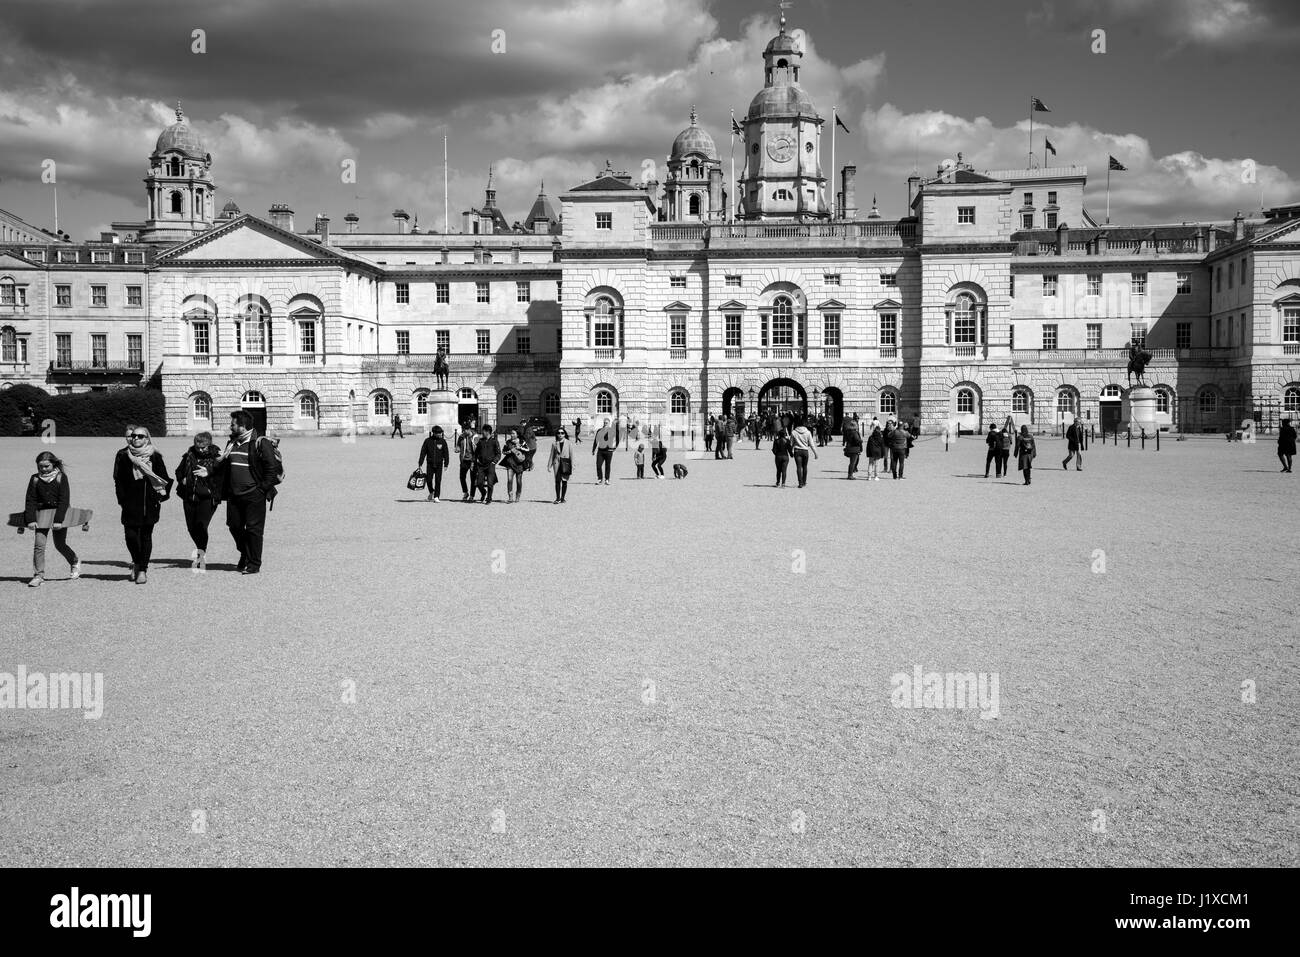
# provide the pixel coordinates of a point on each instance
(1128, 439)
(1144, 439)
(1157, 440)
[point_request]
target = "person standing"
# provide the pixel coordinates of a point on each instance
(875, 452)
(731, 436)
(397, 426)
(801, 442)
(781, 448)
(638, 459)
(1006, 439)
(709, 429)
(719, 438)
(561, 463)
(434, 451)
(993, 440)
(1026, 451)
(48, 488)
(899, 439)
(887, 435)
(1286, 445)
(197, 488)
(603, 445)
(577, 429)
(1074, 440)
(465, 442)
(486, 456)
(250, 474)
(852, 445)
(529, 439)
(514, 456)
(142, 484)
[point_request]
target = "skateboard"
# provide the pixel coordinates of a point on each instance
(45, 519)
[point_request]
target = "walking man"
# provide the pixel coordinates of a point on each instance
(603, 445)
(1286, 445)
(397, 426)
(898, 440)
(465, 449)
(250, 475)
(1074, 438)
(731, 435)
(801, 441)
(435, 450)
(993, 441)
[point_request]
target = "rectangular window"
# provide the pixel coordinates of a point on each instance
(443, 338)
(1139, 283)
(1049, 285)
(1011, 336)
(782, 329)
(99, 350)
(483, 291)
(7, 294)
(559, 290)
(1029, 199)
(831, 330)
(67, 255)
(1050, 220)
(1291, 325)
(963, 326)
(1218, 279)
(135, 349)
(677, 331)
(1026, 220)
(134, 296)
(135, 257)
(604, 220)
(677, 282)
(1051, 197)
(101, 256)
(889, 329)
(403, 293)
(523, 341)
(443, 292)
(63, 350)
(1094, 284)
(831, 278)
(99, 295)
(403, 342)
(1094, 335)
(202, 340)
(966, 214)
(1184, 283)
(484, 337)
(523, 291)
(1138, 332)
(559, 339)
(307, 337)
(35, 255)
(733, 280)
(889, 279)
(1049, 335)
(63, 295)
(1183, 335)
(1011, 291)
(732, 321)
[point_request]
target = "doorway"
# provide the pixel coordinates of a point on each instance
(254, 403)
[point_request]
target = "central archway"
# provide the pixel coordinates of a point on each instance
(783, 395)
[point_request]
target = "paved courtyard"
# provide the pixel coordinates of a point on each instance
(673, 672)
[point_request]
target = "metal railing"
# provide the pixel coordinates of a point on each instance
(99, 366)
(677, 352)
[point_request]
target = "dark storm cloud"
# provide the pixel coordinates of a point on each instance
(1230, 25)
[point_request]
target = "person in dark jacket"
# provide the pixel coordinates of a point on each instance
(852, 445)
(199, 492)
(709, 430)
(529, 439)
(993, 440)
(142, 484)
(730, 432)
(719, 438)
(47, 489)
(898, 441)
(397, 427)
(1026, 451)
(781, 449)
(658, 453)
(1286, 445)
(561, 461)
(514, 456)
(875, 452)
(434, 450)
(486, 456)
(1006, 440)
(604, 442)
(465, 442)
(249, 477)
(1074, 440)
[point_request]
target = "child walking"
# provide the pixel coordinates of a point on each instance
(47, 489)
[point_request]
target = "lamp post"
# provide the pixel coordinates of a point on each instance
(817, 398)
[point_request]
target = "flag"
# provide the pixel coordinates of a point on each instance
(1050, 148)
(735, 128)
(840, 123)
(1117, 166)
(1038, 105)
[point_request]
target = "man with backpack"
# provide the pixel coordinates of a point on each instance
(251, 469)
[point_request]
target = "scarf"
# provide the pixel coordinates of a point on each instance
(54, 476)
(142, 463)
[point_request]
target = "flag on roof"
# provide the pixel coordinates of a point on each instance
(1050, 148)
(1117, 165)
(1038, 105)
(840, 123)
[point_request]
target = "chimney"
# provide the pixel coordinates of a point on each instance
(1103, 244)
(108, 238)
(478, 252)
(1062, 239)
(848, 178)
(352, 219)
(514, 251)
(1238, 227)
(913, 187)
(322, 227)
(446, 255)
(717, 211)
(400, 220)
(1212, 239)
(282, 216)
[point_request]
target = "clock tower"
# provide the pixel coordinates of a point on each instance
(783, 177)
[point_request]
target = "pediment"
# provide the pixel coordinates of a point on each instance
(888, 304)
(731, 305)
(11, 263)
(677, 306)
(247, 238)
(832, 304)
(1288, 233)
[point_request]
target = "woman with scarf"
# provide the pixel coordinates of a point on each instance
(142, 483)
(49, 488)
(561, 462)
(515, 459)
(199, 491)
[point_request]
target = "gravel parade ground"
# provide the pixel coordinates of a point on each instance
(695, 672)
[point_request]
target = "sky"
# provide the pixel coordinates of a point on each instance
(1195, 97)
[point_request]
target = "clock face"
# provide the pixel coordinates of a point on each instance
(780, 147)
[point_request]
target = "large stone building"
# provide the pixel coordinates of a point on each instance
(995, 295)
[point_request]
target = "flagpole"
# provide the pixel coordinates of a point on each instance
(1031, 132)
(446, 205)
(835, 206)
(1108, 191)
(731, 200)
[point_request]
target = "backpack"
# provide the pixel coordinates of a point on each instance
(278, 474)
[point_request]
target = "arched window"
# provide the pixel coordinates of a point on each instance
(176, 202)
(965, 401)
(1065, 401)
(679, 402)
(509, 403)
(252, 332)
(1162, 401)
(694, 205)
(201, 403)
(383, 406)
(421, 403)
(782, 321)
(1111, 391)
(603, 316)
(308, 407)
(1020, 401)
(964, 320)
(551, 403)
(467, 394)
(1291, 399)
(253, 398)
(782, 194)
(604, 402)
(1208, 401)
(888, 404)
(8, 345)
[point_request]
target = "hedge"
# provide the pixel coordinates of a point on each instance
(84, 413)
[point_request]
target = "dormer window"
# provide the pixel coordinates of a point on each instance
(174, 167)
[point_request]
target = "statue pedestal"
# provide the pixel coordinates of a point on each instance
(443, 410)
(1138, 409)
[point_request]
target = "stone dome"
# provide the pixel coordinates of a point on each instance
(693, 139)
(781, 43)
(179, 137)
(785, 100)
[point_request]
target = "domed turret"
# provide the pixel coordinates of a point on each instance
(693, 191)
(693, 139)
(180, 138)
(180, 190)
